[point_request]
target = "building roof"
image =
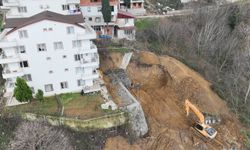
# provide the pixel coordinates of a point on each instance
(124, 14)
(17, 23)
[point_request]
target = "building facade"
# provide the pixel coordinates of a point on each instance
(92, 13)
(136, 7)
(52, 52)
(28, 8)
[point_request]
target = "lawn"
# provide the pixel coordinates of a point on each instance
(75, 106)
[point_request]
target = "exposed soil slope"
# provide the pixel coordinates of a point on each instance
(165, 84)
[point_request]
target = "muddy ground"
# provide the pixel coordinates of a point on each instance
(164, 85)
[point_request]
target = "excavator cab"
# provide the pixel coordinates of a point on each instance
(205, 130)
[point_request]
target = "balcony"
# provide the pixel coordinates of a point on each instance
(73, 1)
(5, 44)
(7, 73)
(90, 76)
(94, 61)
(8, 59)
(11, 3)
(9, 86)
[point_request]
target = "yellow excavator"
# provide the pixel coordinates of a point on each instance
(201, 127)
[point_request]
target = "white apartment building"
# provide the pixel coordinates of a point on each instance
(52, 52)
(28, 8)
(92, 13)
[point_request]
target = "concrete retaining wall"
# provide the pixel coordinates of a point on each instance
(103, 122)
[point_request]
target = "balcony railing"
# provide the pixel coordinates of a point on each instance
(7, 73)
(8, 59)
(11, 3)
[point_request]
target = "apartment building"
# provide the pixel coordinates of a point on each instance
(51, 51)
(92, 13)
(28, 8)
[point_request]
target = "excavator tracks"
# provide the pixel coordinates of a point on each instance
(216, 144)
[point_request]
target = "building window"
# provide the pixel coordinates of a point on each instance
(58, 45)
(23, 34)
(66, 69)
(48, 88)
(50, 29)
(22, 9)
(70, 30)
(79, 70)
(112, 8)
(97, 28)
(98, 19)
(50, 72)
(44, 29)
(64, 85)
(24, 64)
(90, 18)
(126, 20)
(99, 9)
(64, 56)
(80, 82)
(65, 7)
(78, 57)
(27, 77)
(128, 32)
(48, 58)
(21, 49)
(77, 43)
(89, 9)
(41, 47)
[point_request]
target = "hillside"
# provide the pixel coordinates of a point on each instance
(165, 84)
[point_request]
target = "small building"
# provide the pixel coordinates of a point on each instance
(92, 13)
(126, 26)
(28, 8)
(121, 25)
(136, 7)
(51, 51)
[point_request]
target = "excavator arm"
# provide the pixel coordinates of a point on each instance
(196, 111)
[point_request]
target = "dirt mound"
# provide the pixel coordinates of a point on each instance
(165, 84)
(148, 76)
(148, 58)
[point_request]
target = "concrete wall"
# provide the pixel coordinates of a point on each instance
(104, 122)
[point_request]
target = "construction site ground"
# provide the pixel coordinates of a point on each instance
(164, 85)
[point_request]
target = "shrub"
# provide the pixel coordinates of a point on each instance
(22, 91)
(39, 95)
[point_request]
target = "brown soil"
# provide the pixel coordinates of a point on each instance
(165, 84)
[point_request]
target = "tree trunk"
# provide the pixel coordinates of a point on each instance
(248, 91)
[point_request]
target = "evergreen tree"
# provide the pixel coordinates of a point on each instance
(106, 11)
(39, 95)
(22, 91)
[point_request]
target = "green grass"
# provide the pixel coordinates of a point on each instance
(47, 107)
(75, 105)
(142, 24)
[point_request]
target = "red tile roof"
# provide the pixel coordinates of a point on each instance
(17, 23)
(124, 14)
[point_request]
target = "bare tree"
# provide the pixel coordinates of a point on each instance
(37, 136)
